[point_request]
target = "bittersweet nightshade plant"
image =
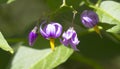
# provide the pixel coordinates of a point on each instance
(70, 38)
(32, 36)
(90, 19)
(51, 31)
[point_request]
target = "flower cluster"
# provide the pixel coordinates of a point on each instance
(53, 30)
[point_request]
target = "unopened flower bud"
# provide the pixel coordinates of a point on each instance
(89, 18)
(32, 36)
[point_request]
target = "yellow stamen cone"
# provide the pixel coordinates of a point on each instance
(52, 44)
(97, 30)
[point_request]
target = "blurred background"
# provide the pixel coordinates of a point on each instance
(18, 18)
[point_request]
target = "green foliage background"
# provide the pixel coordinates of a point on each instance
(18, 17)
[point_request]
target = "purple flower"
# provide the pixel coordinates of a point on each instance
(32, 36)
(70, 37)
(51, 31)
(89, 18)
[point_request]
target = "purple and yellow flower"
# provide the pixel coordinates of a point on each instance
(32, 36)
(90, 19)
(70, 38)
(51, 31)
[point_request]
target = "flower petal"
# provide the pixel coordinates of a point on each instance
(74, 40)
(68, 34)
(65, 42)
(74, 47)
(58, 28)
(87, 22)
(50, 30)
(43, 33)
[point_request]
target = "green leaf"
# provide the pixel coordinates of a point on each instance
(109, 12)
(4, 45)
(29, 58)
(10, 1)
(6, 1)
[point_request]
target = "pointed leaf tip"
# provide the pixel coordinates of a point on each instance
(4, 45)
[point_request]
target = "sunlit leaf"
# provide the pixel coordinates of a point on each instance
(6, 1)
(109, 12)
(10, 1)
(29, 58)
(4, 45)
